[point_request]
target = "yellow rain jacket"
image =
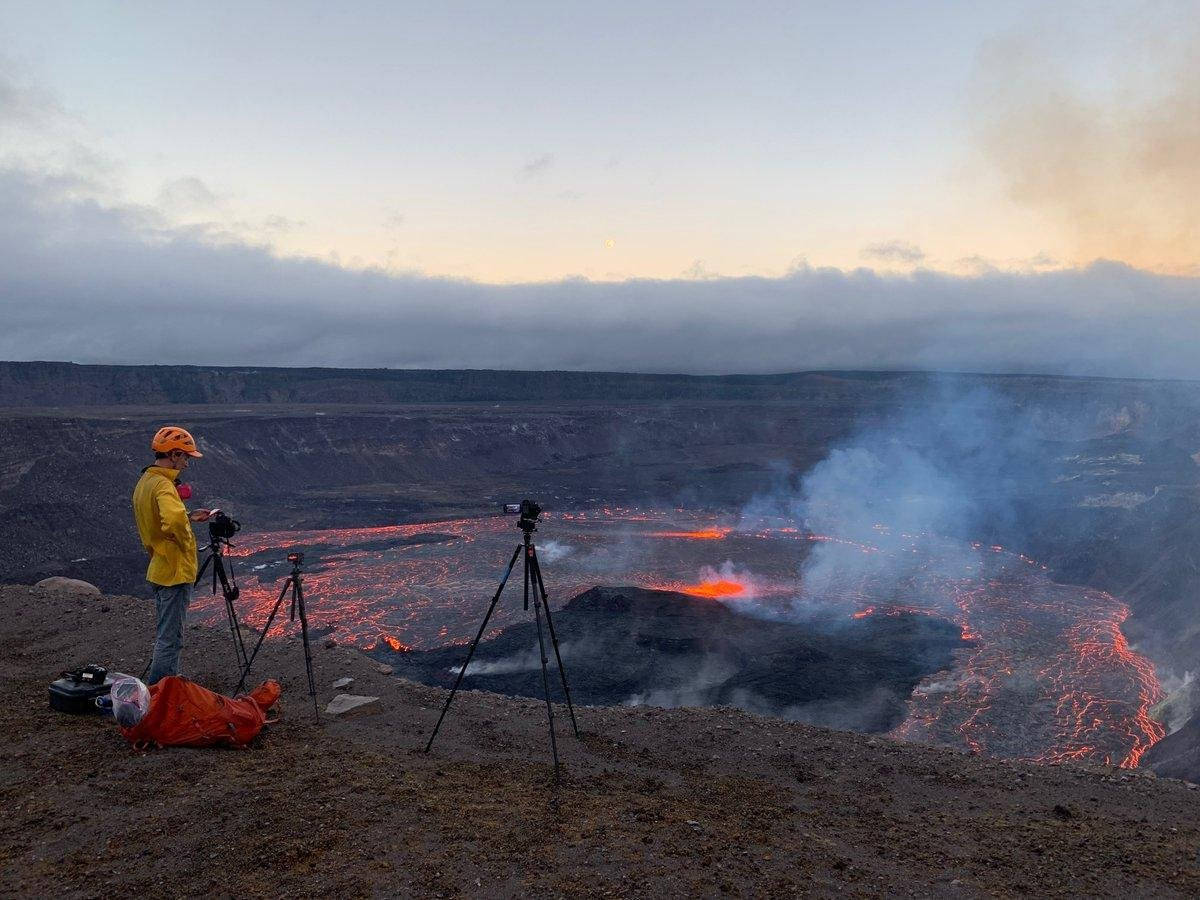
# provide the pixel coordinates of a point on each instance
(163, 525)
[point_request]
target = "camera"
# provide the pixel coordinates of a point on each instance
(221, 527)
(527, 510)
(295, 558)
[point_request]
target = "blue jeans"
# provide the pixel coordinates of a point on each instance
(172, 603)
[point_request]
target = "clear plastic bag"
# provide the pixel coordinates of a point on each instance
(130, 700)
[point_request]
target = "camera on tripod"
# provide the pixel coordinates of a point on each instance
(527, 510)
(292, 584)
(535, 587)
(221, 527)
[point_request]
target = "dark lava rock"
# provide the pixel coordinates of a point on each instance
(635, 646)
(1177, 755)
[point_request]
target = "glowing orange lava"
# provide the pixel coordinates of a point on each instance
(714, 589)
(1045, 672)
(700, 534)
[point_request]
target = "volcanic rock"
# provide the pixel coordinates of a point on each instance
(68, 585)
(630, 645)
(344, 703)
(342, 683)
(1178, 754)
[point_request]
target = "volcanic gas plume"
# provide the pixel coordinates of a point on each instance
(1047, 674)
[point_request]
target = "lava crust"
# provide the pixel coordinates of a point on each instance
(630, 645)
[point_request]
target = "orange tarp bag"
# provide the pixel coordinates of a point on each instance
(183, 714)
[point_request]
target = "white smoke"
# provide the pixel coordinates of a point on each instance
(553, 551)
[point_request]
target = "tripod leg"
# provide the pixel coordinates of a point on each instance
(562, 671)
(525, 606)
(298, 602)
(253, 653)
(474, 643)
(537, 615)
(230, 593)
(203, 566)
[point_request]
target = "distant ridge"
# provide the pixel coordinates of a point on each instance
(29, 384)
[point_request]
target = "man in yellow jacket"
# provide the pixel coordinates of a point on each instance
(165, 528)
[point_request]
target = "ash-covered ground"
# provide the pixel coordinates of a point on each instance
(652, 802)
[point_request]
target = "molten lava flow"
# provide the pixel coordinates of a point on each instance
(700, 534)
(1045, 672)
(1050, 677)
(713, 589)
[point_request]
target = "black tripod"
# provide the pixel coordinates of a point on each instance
(533, 576)
(297, 588)
(216, 558)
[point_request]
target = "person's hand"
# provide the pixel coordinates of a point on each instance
(200, 515)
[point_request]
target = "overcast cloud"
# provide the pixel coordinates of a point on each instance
(92, 282)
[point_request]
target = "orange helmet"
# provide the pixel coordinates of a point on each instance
(171, 437)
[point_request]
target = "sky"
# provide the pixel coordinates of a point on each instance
(653, 186)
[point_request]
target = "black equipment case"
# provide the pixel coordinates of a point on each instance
(76, 692)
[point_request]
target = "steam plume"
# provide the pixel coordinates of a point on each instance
(1120, 172)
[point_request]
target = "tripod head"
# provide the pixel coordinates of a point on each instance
(297, 561)
(216, 546)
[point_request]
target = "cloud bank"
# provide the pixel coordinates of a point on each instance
(86, 281)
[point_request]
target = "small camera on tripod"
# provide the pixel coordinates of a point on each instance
(527, 510)
(221, 527)
(295, 558)
(535, 588)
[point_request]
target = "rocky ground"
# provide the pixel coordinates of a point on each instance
(675, 802)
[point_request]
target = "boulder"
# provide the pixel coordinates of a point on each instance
(344, 703)
(342, 683)
(68, 585)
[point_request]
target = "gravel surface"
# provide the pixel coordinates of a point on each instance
(668, 802)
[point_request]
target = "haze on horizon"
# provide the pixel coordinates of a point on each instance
(653, 187)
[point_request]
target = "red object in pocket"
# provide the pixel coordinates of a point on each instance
(185, 491)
